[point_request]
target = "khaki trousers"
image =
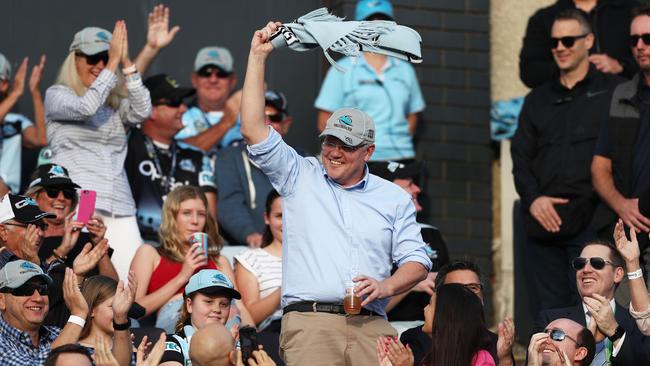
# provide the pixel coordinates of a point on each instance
(331, 339)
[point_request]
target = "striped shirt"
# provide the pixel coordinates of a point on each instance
(88, 137)
(17, 349)
(267, 268)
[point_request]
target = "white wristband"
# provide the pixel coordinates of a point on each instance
(77, 320)
(129, 70)
(634, 275)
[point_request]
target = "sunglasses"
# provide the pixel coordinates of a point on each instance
(474, 287)
(208, 71)
(278, 117)
(346, 148)
(28, 289)
(94, 59)
(595, 262)
(567, 41)
(174, 103)
(53, 192)
(634, 39)
(41, 225)
(559, 335)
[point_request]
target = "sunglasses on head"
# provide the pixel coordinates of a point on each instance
(174, 102)
(277, 117)
(94, 59)
(28, 289)
(567, 41)
(595, 262)
(634, 39)
(558, 335)
(206, 72)
(53, 192)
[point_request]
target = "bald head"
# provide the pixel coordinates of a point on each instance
(578, 343)
(212, 345)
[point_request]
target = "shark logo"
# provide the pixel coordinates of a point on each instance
(27, 265)
(372, 4)
(57, 171)
(346, 120)
(102, 36)
(218, 277)
(213, 54)
(25, 202)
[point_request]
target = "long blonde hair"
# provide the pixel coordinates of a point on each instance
(68, 76)
(171, 243)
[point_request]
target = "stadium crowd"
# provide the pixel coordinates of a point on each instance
(113, 253)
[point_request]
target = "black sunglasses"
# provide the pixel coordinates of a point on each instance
(94, 59)
(174, 102)
(634, 39)
(206, 72)
(53, 192)
(277, 117)
(559, 335)
(28, 289)
(567, 41)
(596, 262)
(40, 224)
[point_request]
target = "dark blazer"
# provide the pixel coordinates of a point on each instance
(636, 347)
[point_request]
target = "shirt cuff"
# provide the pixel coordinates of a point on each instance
(133, 80)
(265, 145)
(617, 345)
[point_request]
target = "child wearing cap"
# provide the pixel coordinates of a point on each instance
(207, 299)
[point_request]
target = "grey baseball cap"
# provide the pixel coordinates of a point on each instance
(5, 68)
(15, 273)
(91, 41)
(217, 56)
(350, 125)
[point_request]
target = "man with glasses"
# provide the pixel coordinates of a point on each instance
(156, 164)
(551, 153)
(24, 289)
(620, 163)
(343, 228)
(243, 187)
(563, 340)
(210, 122)
(599, 271)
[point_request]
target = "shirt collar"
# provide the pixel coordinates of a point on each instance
(360, 185)
(585, 310)
(17, 335)
(387, 65)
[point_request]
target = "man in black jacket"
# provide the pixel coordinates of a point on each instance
(551, 152)
(610, 21)
(599, 270)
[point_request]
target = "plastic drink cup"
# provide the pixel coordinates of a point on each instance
(202, 239)
(351, 302)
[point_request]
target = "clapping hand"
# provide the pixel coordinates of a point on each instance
(35, 77)
(72, 296)
(151, 358)
(506, 332)
(123, 299)
(88, 258)
(19, 79)
(629, 249)
(601, 313)
(103, 355)
(31, 243)
(97, 229)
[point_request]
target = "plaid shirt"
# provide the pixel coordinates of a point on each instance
(16, 348)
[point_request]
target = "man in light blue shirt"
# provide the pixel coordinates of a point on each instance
(340, 225)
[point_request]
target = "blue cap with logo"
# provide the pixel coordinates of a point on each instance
(211, 282)
(15, 273)
(91, 41)
(350, 125)
(366, 8)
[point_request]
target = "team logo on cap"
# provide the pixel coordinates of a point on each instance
(25, 202)
(346, 119)
(171, 81)
(372, 4)
(57, 171)
(213, 54)
(220, 278)
(27, 265)
(102, 35)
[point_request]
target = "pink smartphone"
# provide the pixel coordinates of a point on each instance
(86, 206)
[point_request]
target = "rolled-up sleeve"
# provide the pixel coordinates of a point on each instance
(642, 319)
(408, 245)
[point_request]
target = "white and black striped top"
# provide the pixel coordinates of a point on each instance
(267, 268)
(89, 138)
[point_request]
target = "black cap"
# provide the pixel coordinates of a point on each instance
(164, 87)
(21, 208)
(49, 175)
(391, 170)
(276, 100)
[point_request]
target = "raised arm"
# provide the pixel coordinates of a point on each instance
(35, 136)
(253, 127)
(158, 37)
(16, 91)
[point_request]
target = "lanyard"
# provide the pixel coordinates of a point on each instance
(152, 151)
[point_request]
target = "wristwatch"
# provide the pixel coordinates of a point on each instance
(617, 334)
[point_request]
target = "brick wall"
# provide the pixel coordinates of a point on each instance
(453, 136)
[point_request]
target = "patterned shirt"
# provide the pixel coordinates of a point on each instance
(88, 137)
(16, 348)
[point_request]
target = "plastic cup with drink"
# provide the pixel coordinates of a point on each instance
(351, 302)
(201, 241)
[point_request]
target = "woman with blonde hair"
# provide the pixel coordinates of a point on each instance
(86, 112)
(164, 271)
